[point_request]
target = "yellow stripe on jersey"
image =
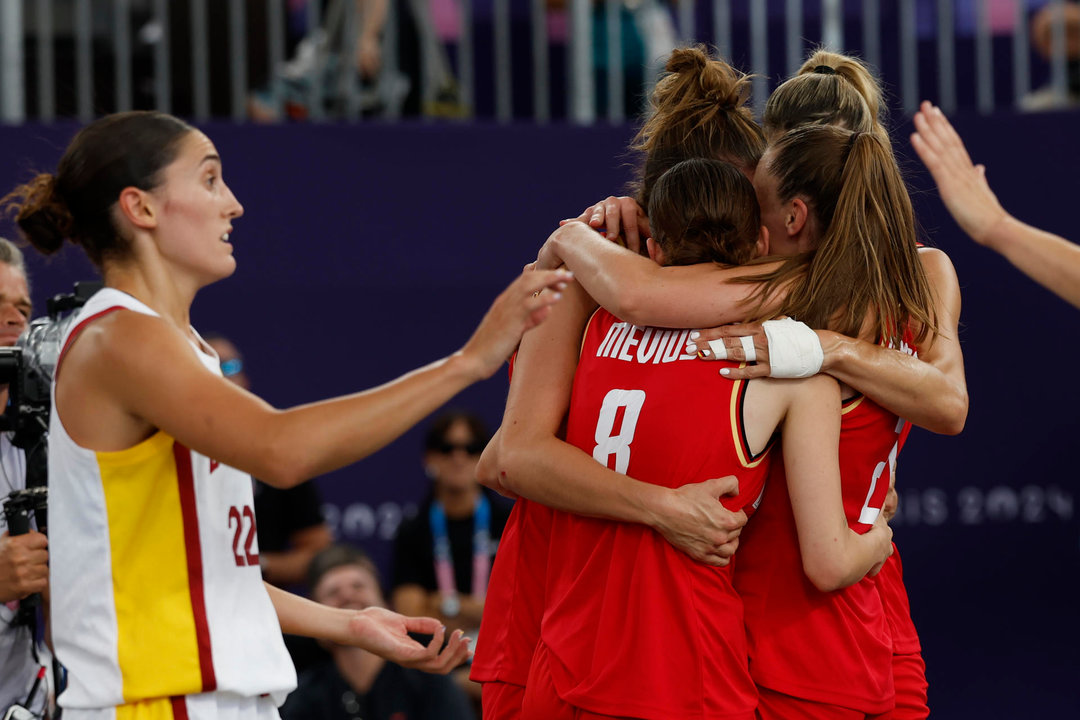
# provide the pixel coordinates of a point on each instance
(850, 405)
(737, 426)
(149, 564)
(156, 709)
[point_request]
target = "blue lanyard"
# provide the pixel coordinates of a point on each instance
(481, 550)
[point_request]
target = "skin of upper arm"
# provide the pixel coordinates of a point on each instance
(944, 353)
(164, 386)
(810, 436)
(543, 378)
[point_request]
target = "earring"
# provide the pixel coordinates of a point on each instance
(429, 472)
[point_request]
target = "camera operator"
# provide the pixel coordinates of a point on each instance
(23, 558)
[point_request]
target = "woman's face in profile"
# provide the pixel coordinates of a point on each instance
(194, 210)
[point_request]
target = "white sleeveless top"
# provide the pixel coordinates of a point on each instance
(154, 570)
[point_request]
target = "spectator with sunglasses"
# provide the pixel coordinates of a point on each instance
(443, 555)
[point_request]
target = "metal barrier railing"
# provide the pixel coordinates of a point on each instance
(576, 56)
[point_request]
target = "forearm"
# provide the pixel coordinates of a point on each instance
(901, 383)
(559, 475)
(314, 439)
(300, 616)
(636, 289)
(843, 560)
(1048, 259)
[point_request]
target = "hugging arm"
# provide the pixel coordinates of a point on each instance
(636, 289)
(930, 390)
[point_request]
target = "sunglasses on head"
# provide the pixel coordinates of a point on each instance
(473, 448)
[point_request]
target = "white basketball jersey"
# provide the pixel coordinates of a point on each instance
(154, 571)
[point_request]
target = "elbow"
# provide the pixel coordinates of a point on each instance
(827, 575)
(513, 459)
(953, 417)
(627, 305)
(284, 467)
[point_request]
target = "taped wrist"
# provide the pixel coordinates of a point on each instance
(794, 349)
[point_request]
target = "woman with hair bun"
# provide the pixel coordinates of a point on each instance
(157, 605)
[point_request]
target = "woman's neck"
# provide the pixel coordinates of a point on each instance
(155, 288)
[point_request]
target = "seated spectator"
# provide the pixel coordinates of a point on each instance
(442, 556)
(356, 683)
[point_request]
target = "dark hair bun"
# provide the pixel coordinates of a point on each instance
(42, 216)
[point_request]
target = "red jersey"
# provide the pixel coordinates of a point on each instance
(633, 626)
(827, 647)
(510, 625)
(890, 580)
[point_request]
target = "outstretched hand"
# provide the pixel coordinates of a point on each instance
(961, 183)
(621, 218)
(695, 522)
(386, 634)
(522, 306)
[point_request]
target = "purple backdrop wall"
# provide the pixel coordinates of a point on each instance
(369, 250)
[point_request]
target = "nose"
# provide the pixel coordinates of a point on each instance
(234, 208)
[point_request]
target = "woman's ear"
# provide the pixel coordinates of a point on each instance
(656, 253)
(137, 207)
(797, 216)
(761, 246)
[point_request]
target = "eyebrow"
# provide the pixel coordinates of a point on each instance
(213, 157)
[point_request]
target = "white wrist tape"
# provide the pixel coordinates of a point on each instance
(794, 349)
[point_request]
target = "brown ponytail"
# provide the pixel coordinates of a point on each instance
(829, 89)
(865, 263)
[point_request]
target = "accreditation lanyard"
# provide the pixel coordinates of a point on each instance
(444, 561)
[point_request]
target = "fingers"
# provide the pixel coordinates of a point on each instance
(32, 540)
(448, 658)
(537, 280)
(748, 372)
(723, 486)
(594, 215)
(612, 217)
(426, 626)
(630, 213)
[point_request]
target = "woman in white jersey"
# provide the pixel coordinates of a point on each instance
(158, 609)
